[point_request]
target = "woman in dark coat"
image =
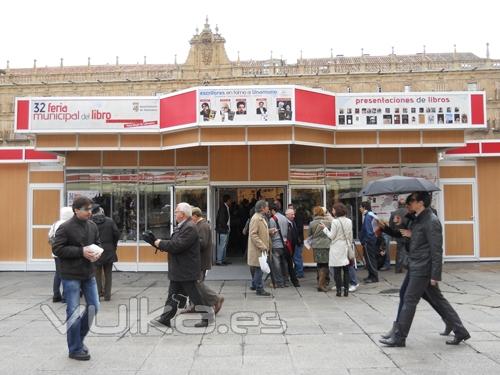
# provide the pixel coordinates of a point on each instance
(109, 234)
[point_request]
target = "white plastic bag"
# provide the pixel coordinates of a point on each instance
(264, 266)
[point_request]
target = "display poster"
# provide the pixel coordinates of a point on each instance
(245, 105)
(73, 194)
(403, 109)
(95, 114)
(307, 175)
(382, 205)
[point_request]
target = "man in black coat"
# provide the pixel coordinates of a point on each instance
(72, 246)
(109, 235)
(183, 249)
(222, 227)
(424, 271)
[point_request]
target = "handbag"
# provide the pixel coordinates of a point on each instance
(351, 250)
(264, 266)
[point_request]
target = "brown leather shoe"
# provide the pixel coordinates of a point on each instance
(218, 304)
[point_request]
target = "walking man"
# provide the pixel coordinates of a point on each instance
(424, 270)
(183, 249)
(72, 246)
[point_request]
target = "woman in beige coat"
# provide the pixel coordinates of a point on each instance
(258, 241)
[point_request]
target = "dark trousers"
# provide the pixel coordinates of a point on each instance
(107, 270)
(401, 254)
(56, 285)
(189, 288)
(291, 268)
(420, 287)
(425, 296)
(371, 259)
(341, 276)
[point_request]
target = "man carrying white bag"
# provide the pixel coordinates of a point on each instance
(259, 244)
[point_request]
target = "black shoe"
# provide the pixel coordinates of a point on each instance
(253, 288)
(370, 281)
(81, 356)
(346, 292)
(202, 323)
(160, 321)
(339, 293)
(458, 339)
(447, 330)
(296, 284)
(262, 292)
(394, 341)
(390, 333)
(219, 264)
(181, 300)
(225, 262)
(57, 299)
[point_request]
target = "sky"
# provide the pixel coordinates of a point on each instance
(75, 30)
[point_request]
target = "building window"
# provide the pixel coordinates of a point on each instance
(349, 89)
(343, 185)
(379, 88)
(135, 200)
(472, 86)
(407, 88)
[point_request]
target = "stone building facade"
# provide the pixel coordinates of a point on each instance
(208, 64)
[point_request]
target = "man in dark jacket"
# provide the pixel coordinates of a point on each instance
(368, 239)
(72, 246)
(205, 233)
(109, 235)
(222, 227)
(424, 270)
(183, 249)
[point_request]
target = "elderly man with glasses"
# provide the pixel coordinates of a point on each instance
(72, 245)
(183, 249)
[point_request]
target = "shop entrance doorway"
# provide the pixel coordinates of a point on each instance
(242, 202)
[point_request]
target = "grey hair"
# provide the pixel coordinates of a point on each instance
(260, 205)
(289, 210)
(185, 208)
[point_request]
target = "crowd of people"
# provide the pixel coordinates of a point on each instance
(84, 240)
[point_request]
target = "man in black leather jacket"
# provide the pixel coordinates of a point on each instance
(424, 270)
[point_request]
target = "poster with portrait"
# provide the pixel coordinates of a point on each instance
(382, 205)
(409, 110)
(250, 105)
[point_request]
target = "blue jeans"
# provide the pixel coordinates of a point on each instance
(257, 278)
(353, 277)
(79, 326)
(298, 261)
(221, 246)
(387, 241)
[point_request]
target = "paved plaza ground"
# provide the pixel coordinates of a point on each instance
(297, 331)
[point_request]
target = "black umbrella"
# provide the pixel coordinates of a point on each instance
(398, 185)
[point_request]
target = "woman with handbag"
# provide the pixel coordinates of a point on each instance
(341, 247)
(321, 245)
